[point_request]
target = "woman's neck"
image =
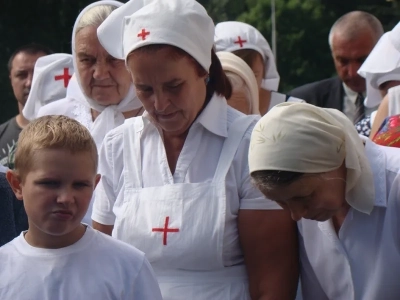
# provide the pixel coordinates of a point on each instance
(127, 114)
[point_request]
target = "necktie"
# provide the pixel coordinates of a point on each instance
(359, 115)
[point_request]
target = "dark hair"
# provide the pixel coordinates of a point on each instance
(269, 179)
(31, 49)
(249, 56)
(218, 82)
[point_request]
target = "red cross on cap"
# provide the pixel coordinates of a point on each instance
(240, 41)
(143, 34)
(65, 76)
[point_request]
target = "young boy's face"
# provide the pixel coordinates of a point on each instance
(57, 191)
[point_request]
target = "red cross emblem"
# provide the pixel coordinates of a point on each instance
(240, 41)
(66, 77)
(165, 230)
(143, 34)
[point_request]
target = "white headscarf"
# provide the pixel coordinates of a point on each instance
(381, 65)
(300, 137)
(111, 116)
(231, 36)
(232, 63)
(49, 83)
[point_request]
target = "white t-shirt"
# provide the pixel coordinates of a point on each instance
(197, 163)
(362, 261)
(95, 267)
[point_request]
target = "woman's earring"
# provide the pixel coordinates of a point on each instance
(207, 80)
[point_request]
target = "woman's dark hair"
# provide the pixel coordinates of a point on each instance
(249, 56)
(218, 82)
(270, 179)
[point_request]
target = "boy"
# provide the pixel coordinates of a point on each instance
(59, 257)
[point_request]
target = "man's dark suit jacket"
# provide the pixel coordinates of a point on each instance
(327, 93)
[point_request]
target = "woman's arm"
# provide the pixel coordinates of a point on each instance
(107, 229)
(269, 243)
(381, 115)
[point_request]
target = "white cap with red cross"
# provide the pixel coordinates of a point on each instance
(181, 23)
(233, 35)
(50, 80)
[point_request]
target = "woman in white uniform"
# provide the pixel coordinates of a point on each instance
(249, 44)
(100, 95)
(175, 181)
(344, 192)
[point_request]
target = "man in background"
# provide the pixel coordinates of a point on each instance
(351, 39)
(20, 68)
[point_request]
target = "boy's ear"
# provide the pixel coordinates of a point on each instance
(15, 183)
(98, 177)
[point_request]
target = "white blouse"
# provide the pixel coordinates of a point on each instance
(362, 261)
(197, 163)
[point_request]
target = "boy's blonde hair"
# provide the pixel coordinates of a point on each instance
(52, 132)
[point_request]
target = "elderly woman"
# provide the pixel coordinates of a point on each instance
(175, 182)
(344, 193)
(101, 94)
(381, 71)
(244, 96)
(249, 44)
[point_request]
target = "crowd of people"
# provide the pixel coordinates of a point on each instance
(158, 161)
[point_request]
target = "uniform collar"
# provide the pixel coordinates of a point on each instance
(214, 117)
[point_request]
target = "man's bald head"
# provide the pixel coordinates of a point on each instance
(352, 24)
(351, 39)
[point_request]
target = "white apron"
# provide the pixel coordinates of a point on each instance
(180, 227)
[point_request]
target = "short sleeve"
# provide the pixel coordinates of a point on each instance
(250, 196)
(146, 285)
(105, 195)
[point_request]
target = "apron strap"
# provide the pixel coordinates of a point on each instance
(132, 153)
(235, 135)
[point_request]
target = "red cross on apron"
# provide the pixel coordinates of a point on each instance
(240, 42)
(143, 34)
(66, 77)
(165, 230)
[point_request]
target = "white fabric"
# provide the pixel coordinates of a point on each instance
(381, 65)
(181, 23)
(300, 137)
(238, 66)
(48, 82)
(95, 267)
(111, 116)
(394, 101)
(184, 207)
(203, 144)
(362, 261)
(227, 36)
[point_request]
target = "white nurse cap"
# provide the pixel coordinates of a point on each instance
(181, 23)
(232, 35)
(381, 65)
(49, 83)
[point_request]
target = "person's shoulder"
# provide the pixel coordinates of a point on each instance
(4, 125)
(315, 87)
(234, 116)
(9, 250)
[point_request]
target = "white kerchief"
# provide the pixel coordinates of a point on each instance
(232, 35)
(301, 137)
(382, 64)
(235, 64)
(110, 116)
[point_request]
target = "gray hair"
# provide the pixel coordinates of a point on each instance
(94, 16)
(353, 23)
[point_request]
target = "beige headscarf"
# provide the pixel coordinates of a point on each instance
(300, 137)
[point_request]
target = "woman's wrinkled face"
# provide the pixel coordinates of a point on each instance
(313, 196)
(103, 78)
(169, 87)
(258, 69)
